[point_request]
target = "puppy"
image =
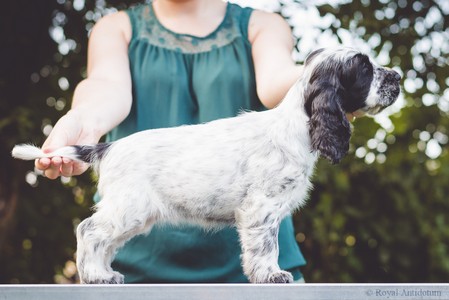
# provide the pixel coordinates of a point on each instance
(250, 171)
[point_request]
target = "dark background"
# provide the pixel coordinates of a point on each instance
(379, 216)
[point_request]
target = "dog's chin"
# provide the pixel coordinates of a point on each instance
(368, 111)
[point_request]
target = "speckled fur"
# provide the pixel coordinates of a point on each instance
(250, 171)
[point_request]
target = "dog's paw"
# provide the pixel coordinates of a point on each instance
(280, 277)
(116, 278)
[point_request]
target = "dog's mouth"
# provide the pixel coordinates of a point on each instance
(375, 110)
(366, 111)
(389, 97)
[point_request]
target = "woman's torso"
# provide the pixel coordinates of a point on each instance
(183, 79)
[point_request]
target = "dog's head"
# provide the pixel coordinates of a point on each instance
(339, 82)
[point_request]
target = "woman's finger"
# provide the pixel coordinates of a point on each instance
(54, 170)
(42, 164)
(67, 167)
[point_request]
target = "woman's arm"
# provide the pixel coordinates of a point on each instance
(101, 101)
(272, 45)
(104, 97)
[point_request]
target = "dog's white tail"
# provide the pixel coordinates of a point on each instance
(30, 152)
(88, 154)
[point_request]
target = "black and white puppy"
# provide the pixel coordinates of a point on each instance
(250, 171)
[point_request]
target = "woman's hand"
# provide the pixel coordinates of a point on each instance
(100, 102)
(67, 131)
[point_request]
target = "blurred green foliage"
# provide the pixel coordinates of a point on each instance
(379, 216)
(382, 214)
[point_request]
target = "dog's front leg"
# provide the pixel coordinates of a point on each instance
(259, 229)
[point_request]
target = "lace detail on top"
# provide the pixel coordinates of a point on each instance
(148, 28)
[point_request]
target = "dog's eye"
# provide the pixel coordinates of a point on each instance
(367, 70)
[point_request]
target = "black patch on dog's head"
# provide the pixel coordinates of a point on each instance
(337, 85)
(355, 78)
(312, 55)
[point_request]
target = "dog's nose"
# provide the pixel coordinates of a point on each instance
(397, 76)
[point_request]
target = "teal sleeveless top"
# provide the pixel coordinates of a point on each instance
(183, 79)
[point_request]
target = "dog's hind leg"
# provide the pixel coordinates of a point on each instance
(98, 239)
(258, 228)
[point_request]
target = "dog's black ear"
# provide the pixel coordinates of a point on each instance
(329, 128)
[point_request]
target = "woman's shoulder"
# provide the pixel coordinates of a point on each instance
(262, 21)
(117, 23)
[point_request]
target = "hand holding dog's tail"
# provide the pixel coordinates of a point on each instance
(30, 152)
(88, 154)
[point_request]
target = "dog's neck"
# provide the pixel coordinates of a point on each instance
(294, 99)
(290, 119)
(292, 106)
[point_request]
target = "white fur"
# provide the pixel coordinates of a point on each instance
(30, 152)
(250, 171)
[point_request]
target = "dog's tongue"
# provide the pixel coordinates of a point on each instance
(350, 117)
(355, 114)
(358, 114)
